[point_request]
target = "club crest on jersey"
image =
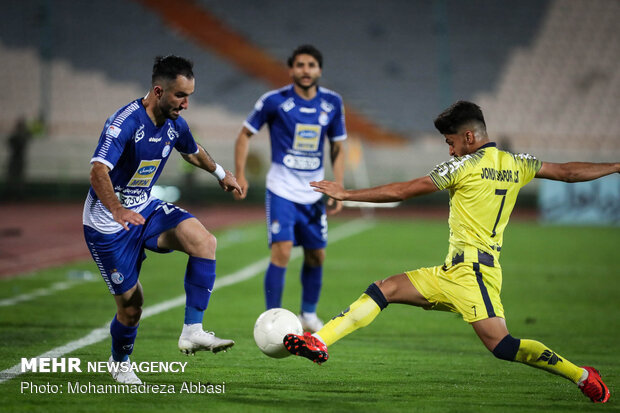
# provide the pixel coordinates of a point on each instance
(166, 151)
(323, 119)
(137, 137)
(307, 137)
(172, 134)
(117, 277)
(113, 131)
(145, 173)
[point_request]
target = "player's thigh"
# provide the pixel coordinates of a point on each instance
(314, 257)
(189, 236)
(399, 289)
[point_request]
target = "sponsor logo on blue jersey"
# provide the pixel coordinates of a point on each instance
(308, 134)
(147, 170)
(143, 177)
(307, 137)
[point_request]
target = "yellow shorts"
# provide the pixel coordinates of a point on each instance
(470, 289)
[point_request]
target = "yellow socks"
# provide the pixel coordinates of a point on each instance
(536, 354)
(359, 314)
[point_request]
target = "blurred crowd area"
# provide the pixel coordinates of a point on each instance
(544, 71)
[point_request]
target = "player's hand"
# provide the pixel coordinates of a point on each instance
(332, 189)
(126, 216)
(229, 184)
(244, 185)
(333, 206)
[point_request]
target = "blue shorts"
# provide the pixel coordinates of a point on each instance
(305, 225)
(119, 256)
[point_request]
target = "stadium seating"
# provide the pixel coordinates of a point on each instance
(543, 71)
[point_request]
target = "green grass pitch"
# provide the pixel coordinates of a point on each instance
(561, 287)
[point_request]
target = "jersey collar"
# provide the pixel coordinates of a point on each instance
(488, 145)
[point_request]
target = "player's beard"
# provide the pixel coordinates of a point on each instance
(171, 112)
(313, 84)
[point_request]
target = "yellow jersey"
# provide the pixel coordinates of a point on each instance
(483, 190)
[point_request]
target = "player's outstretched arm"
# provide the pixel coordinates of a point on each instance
(396, 191)
(576, 171)
(242, 147)
(102, 185)
(203, 160)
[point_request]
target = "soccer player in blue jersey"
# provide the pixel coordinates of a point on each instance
(300, 116)
(122, 218)
(483, 183)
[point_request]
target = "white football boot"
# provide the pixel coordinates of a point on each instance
(310, 322)
(194, 338)
(122, 372)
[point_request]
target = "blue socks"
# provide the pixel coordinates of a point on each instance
(274, 285)
(123, 338)
(311, 283)
(199, 280)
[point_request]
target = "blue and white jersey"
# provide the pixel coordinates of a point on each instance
(298, 128)
(136, 151)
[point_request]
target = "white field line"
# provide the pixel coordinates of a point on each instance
(346, 230)
(40, 292)
(226, 240)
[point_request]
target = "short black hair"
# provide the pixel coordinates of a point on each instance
(460, 113)
(306, 49)
(171, 66)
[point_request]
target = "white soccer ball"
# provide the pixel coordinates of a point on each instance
(270, 329)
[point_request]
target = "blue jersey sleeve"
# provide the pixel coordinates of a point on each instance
(186, 143)
(263, 111)
(337, 130)
(113, 140)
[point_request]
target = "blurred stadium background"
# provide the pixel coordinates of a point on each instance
(544, 71)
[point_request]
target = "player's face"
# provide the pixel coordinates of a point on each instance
(457, 144)
(305, 71)
(175, 96)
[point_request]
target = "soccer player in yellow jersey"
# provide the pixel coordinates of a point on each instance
(483, 183)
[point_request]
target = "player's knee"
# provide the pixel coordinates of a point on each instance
(129, 316)
(314, 258)
(203, 245)
(376, 293)
(507, 348)
(387, 288)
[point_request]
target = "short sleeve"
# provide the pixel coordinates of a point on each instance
(263, 108)
(112, 142)
(448, 174)
(528, 166)
(337, 130)
(186, 144)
